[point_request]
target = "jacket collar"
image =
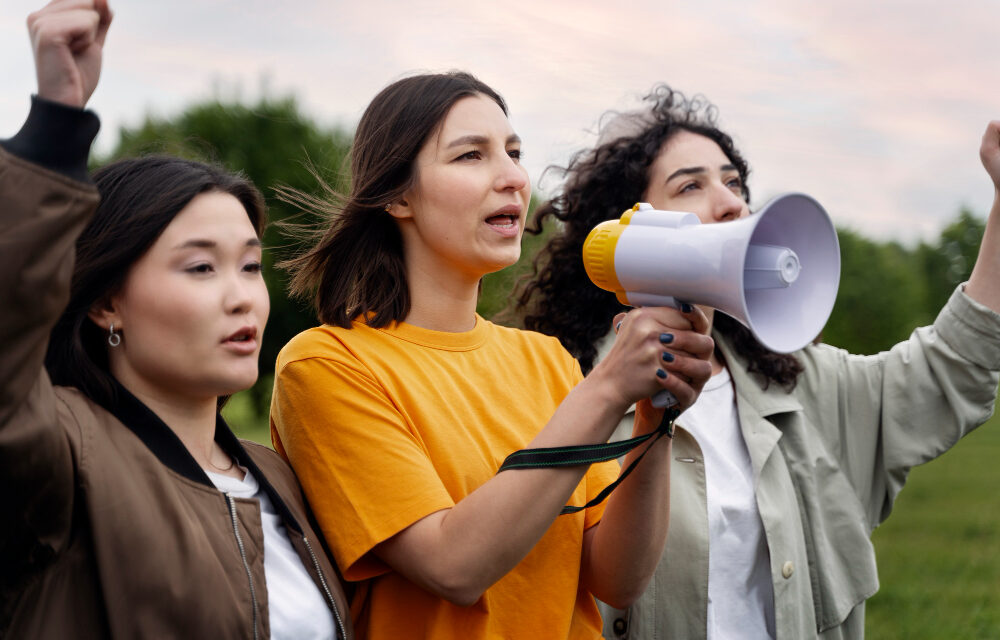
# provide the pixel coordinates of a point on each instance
(755, 406)
(171, 452)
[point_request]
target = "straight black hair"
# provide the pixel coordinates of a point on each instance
(139, 198)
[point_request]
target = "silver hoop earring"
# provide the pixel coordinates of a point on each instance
(114, 339)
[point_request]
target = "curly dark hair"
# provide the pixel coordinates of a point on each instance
(557, 298)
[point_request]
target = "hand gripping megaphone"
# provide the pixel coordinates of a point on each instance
(776, 271)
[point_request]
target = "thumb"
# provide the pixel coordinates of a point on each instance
(105, 16)
(617, 321)
(989, 152)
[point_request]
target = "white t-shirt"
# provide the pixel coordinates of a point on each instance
(296, 606)
(740, 591)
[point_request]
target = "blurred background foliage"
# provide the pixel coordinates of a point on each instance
(273, 144)
(886, 290)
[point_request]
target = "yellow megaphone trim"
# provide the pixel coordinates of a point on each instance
(627, 216)
(599, 253)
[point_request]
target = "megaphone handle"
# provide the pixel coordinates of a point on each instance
(664, 399)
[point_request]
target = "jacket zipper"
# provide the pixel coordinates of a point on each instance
(326, 589)
(243, 556)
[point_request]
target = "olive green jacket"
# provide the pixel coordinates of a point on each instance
(830, 457)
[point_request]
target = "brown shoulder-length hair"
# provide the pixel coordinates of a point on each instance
(355, 267)
(139, 198)
(557, 298)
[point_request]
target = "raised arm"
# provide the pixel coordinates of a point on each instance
(44, 207)
(67, 37)
(984, 284)
(886, 413)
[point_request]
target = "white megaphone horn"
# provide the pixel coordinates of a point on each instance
(776, 271)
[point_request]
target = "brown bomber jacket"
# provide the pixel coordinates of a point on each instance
(108, 527)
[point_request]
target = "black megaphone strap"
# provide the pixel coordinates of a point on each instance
(588, 454)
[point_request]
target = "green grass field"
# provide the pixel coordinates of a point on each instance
(242, 416)
(939, 551)
(938, 554)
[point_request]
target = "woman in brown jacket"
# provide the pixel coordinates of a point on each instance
(128, 507)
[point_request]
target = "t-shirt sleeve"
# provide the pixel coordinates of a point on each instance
(365, 473)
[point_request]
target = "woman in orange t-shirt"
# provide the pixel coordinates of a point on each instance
(397, 413)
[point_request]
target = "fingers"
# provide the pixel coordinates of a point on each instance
(699, 321)
(685, 382)
(682, 332)
(678, 344)
(661, 348)
(989, 152)
(67, 37)
(686, 364)
(992, 132)
(686, 379)
(687, 317)
(76, 28)
(667, 317)
(57, 7)
(617, 321)
(688, 356)
(105, 16)
(991, 140)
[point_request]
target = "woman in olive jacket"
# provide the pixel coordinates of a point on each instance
(787, 462)
(128, 507)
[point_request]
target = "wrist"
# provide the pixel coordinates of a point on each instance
(601, 384)
(56, 136)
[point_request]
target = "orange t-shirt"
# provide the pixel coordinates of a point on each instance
(386, 426)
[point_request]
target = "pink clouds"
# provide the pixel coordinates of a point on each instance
(874, 108)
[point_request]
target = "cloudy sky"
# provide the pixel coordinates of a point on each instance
(874, 108)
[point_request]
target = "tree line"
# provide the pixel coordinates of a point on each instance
(886, 289)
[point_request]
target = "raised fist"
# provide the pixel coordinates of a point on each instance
(67, 37)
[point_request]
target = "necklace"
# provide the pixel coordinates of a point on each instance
(232, 462)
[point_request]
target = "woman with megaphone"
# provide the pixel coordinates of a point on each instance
(401, 413)
(787, 461)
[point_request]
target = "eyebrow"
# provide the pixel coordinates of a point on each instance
(199, 243)
(477, 139)
(686, 171)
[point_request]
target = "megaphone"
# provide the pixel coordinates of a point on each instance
(776, 271)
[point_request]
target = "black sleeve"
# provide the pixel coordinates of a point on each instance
(57, 137)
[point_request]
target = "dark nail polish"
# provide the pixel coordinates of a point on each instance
(666, 338)
(686, 308)
(668, 357)
(660, 373)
